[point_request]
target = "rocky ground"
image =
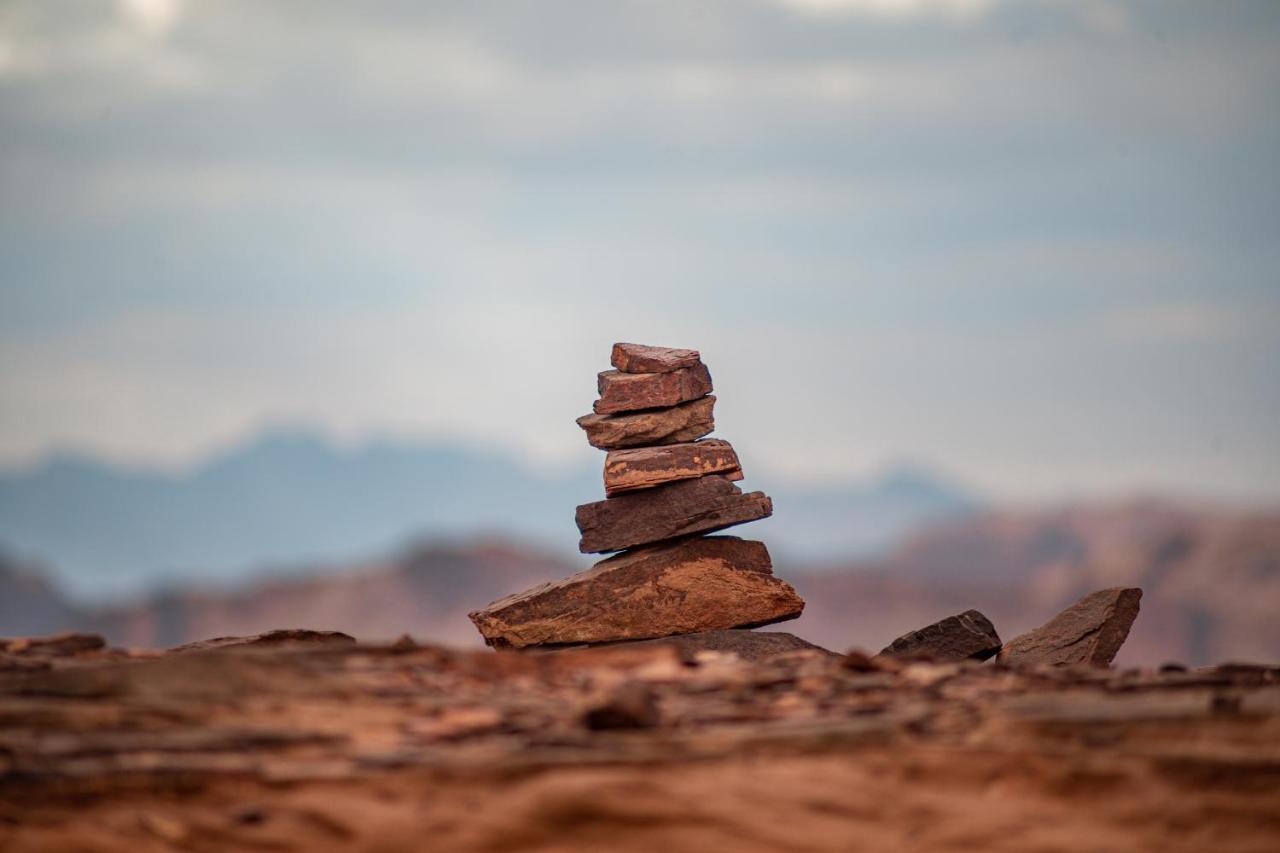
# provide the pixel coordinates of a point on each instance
(327, 744)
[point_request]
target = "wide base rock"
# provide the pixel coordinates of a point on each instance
(1090, 631)
(696, 584)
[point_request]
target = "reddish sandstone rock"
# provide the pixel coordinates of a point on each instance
(629, 392)
(676, 509)
(638, 358)
(1090, 631)
(747, 645)
(685, 422)
(698, 584)
(644, 467)
(965, 635)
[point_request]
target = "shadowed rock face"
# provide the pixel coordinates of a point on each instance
(693, 585)
(677, 509)
(1090, 631)
(968, 635)
(747, 645)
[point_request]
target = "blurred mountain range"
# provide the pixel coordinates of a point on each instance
(1211, 581)
(290, 498)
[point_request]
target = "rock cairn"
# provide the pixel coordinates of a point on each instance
(666, 487)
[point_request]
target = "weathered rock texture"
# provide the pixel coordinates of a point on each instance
(686, 422)
(676, 509)
(638, 358)
(644, 467)
(629, 748)
(629, 392)
(1090, 631)
(968, 635)
(699, 584)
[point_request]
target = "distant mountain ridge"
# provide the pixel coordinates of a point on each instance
(289, 498)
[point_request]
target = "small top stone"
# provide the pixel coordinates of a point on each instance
(639, 358)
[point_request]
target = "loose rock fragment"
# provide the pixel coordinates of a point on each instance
(1090, 631)
(685, 422)
(695, 584)
(965, 635)
(645, 467)
(629, 392)
(638, 358)
(53, 645)
(676, 509)
(269, 638)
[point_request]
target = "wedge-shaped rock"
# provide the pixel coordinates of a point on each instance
(638, 358)
(960, 637)
(629, 392)
(685, 422)
(698, 584)
(1090, 631)
(676, 509)
(645, 467)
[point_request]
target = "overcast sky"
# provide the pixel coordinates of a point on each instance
(1034, 244)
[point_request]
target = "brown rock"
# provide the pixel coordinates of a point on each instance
(965, 635)
(685, 422)
(645, 467)
(696, 584)
(629, 392)
(1090, 631)
(53, 645)
(270, 638)
(676, 509)
(638, 358)
(748, 645)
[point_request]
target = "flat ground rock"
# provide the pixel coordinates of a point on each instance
(645, 467)
(685, 422)
(747, 645)
(1090, 631)
(629, 392)
(696, 584)
(960, 637)
(666, 512)
(638, 358)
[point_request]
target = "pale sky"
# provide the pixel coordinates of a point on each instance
(1033, 244)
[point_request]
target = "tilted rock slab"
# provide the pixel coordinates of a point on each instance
(638, 358)
(1090, 631)
(748, 645)
(645, 467)
(968, 635)
(278, 637)
(698, 584)
(629, 392)
(685, 422)
(676, 509)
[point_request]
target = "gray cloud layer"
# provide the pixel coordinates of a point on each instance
(1033, 242)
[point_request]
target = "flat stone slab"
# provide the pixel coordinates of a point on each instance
(1090, 631)
(645, 467)
(968, 635)
(697, 584)
(685, 422)
(279, 637)
(639, 358)
(629, 392)
(666, 512)
(747, 645)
